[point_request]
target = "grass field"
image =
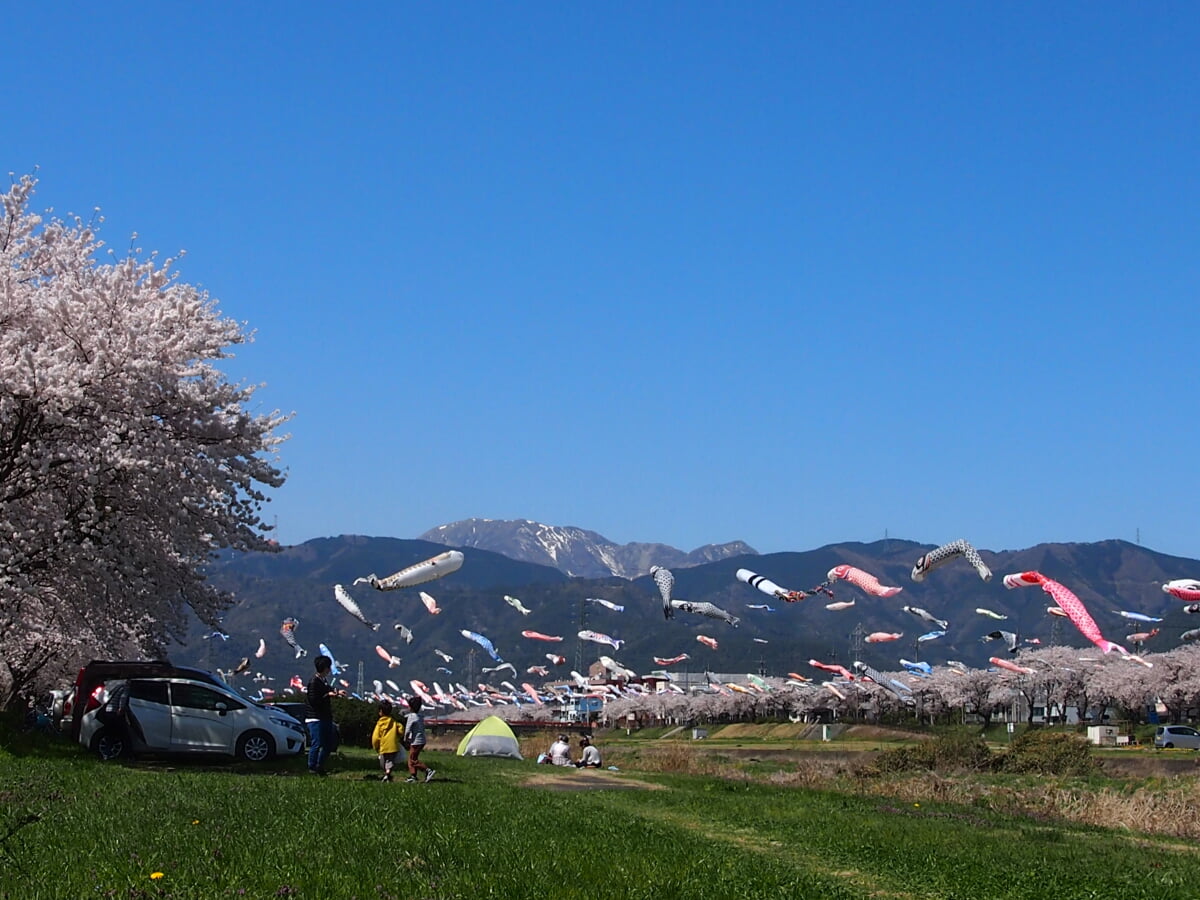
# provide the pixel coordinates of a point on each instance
(72, 827)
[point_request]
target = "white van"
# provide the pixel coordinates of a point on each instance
(1185, 736)
(175, 713)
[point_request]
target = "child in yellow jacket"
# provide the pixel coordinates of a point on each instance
(385, 739)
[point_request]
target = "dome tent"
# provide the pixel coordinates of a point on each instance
(491, 737)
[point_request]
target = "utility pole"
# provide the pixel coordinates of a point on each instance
(359, 689)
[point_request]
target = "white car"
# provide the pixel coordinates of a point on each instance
(180, 714)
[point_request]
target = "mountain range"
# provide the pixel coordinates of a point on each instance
(1108, 576)
(575, 551)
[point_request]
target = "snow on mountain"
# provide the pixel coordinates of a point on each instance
(575, 551)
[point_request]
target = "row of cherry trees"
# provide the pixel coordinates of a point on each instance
(126, 457)
(1061, 677)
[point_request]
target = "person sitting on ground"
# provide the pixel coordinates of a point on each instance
(560, 752)
(589, 756)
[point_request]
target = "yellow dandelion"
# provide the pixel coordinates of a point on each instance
(917, 805)
(195, 821)
(156, 875)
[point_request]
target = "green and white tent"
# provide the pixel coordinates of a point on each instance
(491, 737)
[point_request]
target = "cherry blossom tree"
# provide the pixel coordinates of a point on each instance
(975, 691)
(1175, 680)
(126, 458)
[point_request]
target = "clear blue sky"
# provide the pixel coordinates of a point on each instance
(790, 273)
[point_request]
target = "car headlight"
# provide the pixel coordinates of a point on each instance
(284, 723)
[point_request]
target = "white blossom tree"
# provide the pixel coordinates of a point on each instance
(126, 458)
(1175, 679)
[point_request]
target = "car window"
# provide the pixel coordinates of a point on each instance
(151, 691)
(196, 696)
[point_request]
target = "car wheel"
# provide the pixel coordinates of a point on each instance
(255, 746)
(1168, 745)
(109, 744)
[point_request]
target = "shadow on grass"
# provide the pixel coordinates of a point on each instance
(17, 738)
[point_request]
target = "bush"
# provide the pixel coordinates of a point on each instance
(954, 752)
(356, 720)
(1048, 753)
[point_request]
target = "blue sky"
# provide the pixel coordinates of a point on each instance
(682, 272)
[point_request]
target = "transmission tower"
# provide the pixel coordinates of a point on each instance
(856, 642)
(579, 641)
(1055, 632)
(359, 689)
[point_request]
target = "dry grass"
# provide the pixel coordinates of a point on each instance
(672, 757)
(1168, 807)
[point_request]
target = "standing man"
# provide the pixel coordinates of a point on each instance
(319, 715)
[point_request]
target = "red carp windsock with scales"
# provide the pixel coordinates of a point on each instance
(864, 580)
(1068, 603)
(1186, 589)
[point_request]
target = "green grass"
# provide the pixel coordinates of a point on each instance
(77, 828)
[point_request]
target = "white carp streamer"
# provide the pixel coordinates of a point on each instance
(771, 589)
(427, 570)
(947, 552)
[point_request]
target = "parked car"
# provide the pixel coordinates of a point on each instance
(296, 710)
(1184, 736)
(171, 709)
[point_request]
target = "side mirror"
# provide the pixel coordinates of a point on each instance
(222, 708)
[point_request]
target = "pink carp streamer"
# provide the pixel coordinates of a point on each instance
(864, 580)
(670, 661)
(1185, 589)
(1011, 666)
(828, 667)
(1068, 603)
(878, 637)
(532, 692)
(387, 657)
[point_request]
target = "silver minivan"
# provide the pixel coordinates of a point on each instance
(1184, 736)
(178, 714)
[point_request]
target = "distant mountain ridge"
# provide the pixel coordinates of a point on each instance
(297, 581)
(575, 551)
